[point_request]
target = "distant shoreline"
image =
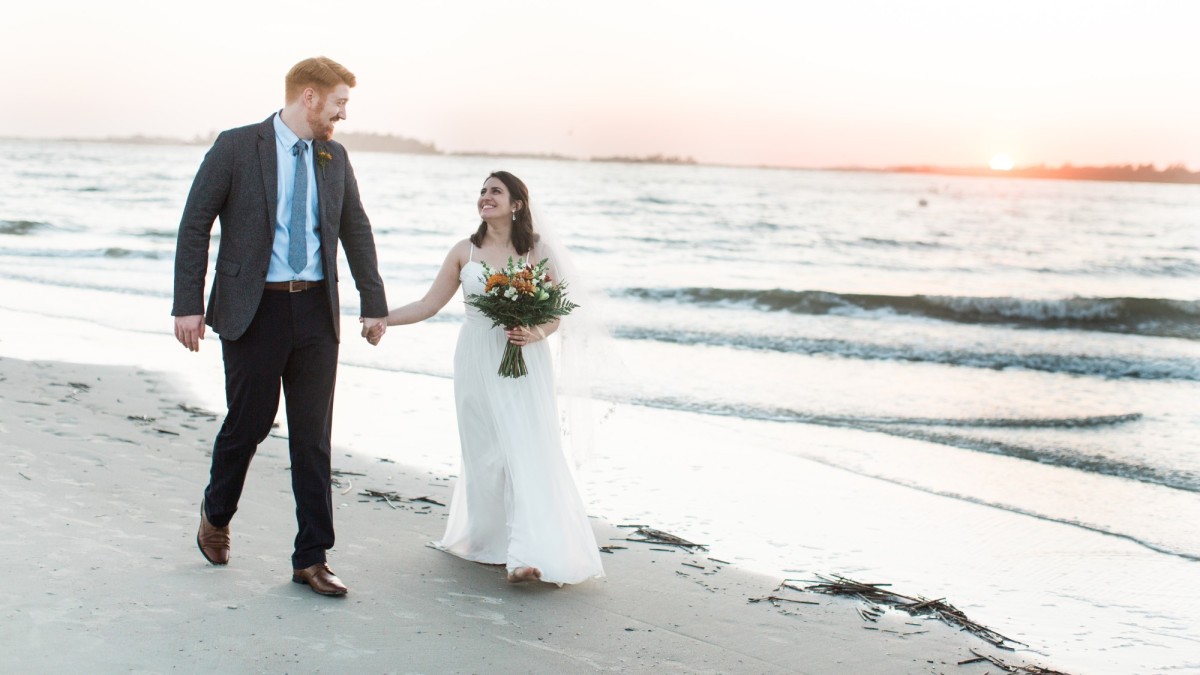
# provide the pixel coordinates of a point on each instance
(1125, 173)
(389, 143)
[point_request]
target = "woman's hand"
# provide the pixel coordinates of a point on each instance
(525, 335)
(373, 329)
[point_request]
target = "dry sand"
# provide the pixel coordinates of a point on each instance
(104, 471)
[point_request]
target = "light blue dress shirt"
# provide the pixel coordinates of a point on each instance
(285, 179)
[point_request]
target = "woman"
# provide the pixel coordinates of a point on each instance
(515, 502)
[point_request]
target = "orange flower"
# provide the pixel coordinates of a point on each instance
(526, 274)
(494, 281)
(523, 286)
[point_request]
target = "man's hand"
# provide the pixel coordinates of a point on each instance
(373, 329)
(189, 330)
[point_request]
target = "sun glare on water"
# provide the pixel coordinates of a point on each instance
(1001, 162)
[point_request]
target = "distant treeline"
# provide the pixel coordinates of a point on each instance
(648, 159)
(367, 142)
(1139, 173)
(372, 142)
(353, 140)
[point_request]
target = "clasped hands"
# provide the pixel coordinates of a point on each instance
(373, 329)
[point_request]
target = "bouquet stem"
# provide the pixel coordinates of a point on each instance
(512, 364)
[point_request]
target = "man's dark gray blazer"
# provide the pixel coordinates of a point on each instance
(237, 183)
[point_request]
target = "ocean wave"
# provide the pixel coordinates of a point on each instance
(1142, 316)
(91, 286)
(1115, 367)
(1162, 266)
(1109, 466)
(955, 432)
(873, 421)
(765, 226)
(83, 254)
(118, 252)
(1169, 267)
(158, 234)
(877, 242)
(651, 199)
(21, 227)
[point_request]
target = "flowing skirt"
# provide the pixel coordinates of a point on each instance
(515, 502)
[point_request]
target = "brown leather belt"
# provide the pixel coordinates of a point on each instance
(292, 286)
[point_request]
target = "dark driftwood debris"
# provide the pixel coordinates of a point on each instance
(1005, 668)
(649, 535)
(775, 600)
(876, 594)
(392, 497)
(200, 412)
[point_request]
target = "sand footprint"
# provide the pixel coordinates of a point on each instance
(493, 617)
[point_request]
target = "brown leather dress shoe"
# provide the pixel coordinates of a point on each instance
(212, 541)
(320, 578)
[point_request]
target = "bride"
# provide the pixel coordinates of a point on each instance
(515, 502)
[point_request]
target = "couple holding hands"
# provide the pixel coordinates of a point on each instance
(285, 195)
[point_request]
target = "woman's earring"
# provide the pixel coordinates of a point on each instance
(514, 215)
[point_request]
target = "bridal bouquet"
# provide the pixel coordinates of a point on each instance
(520, 295)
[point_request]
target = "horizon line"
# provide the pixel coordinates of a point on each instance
(656, 158)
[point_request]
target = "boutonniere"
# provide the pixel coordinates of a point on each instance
(323, 158)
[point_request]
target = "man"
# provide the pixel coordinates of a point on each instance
(285, 195)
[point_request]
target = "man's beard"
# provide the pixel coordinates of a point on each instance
(322, 128)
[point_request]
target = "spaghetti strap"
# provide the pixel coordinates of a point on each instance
(471, 255)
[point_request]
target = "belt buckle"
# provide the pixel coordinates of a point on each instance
(294, 288)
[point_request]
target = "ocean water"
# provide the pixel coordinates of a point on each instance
(1024, 351)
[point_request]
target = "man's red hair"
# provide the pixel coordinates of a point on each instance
(320, 73)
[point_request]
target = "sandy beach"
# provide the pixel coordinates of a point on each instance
(106, 465)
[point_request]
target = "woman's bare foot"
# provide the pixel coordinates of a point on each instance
(521, 574)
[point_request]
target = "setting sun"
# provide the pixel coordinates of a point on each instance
(1001, 162)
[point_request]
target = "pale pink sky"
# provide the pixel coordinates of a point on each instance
(751, 82)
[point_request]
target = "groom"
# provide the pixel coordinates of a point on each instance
(285, 195)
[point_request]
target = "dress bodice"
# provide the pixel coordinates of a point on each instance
(470, 276)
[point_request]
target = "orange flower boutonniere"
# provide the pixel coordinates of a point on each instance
(323, 158)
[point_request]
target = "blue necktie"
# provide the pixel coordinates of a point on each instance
(298, 231)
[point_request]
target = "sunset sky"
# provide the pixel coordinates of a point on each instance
(752, 82)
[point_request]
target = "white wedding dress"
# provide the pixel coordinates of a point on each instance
(515, 502)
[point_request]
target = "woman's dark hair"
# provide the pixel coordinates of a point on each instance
(522, 235)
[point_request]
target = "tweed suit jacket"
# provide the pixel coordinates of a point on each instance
(236, 183)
